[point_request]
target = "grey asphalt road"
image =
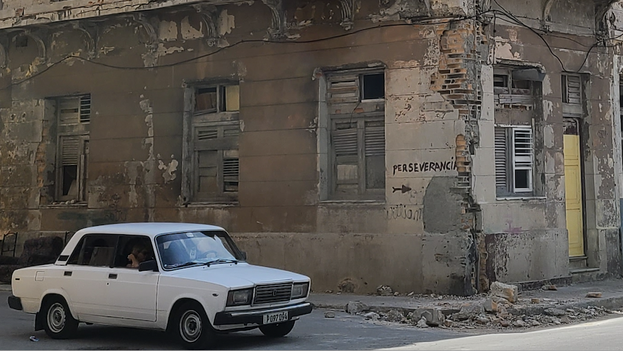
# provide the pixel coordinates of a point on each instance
(602, 334)
(312, 332)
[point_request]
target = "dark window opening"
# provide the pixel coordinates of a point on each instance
(522, 179)
(373, 86)
(70, 176)
(500, 81)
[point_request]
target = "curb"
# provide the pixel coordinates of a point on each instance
(5, 287)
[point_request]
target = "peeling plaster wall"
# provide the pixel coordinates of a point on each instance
(423, 237)
(516, 230)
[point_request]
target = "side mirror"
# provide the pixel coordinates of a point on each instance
(149, 265)
(244, 255)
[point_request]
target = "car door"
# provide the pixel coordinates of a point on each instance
(131, 294)
(84, 277)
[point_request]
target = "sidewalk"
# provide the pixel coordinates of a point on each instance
(529, 303)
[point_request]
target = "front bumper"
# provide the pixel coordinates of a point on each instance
(256, 316)
(15, 303)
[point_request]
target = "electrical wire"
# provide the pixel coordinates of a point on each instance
(422, 21)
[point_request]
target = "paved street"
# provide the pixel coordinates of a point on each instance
(313, 332)
(597, 335)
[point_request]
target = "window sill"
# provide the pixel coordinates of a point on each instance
(210, 204)
(65, 204)
(520, 198)
(353, 202)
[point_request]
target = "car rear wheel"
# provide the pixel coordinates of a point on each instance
(277, 330)
(58, 321)
(192, 327)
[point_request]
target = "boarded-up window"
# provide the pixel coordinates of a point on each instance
(514, 160)
(356, 103)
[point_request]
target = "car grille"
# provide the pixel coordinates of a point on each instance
(272, 293)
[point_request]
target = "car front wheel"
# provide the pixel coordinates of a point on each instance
(192, 327)
(58, 321)
(277, 330)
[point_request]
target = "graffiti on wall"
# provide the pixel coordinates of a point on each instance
(426, 166)
(402, 211)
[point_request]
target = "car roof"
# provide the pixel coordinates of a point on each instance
(148, 228)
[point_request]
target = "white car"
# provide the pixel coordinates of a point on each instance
(193, 281)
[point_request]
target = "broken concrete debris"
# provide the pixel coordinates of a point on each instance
(505, 291)
(385, 290)
(356, 307)
(594, 295)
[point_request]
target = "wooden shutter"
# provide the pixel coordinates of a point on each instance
(343, 88)
(572, 89)
(69, 111)
(501, 152)
(345, 139)
(375, 138)
(70, 151)
(231, 172)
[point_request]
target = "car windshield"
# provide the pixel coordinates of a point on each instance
(196, 248)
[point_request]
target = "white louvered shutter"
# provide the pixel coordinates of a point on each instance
(501, 163)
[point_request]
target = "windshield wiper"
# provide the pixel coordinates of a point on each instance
(179, 265)
(221, 260)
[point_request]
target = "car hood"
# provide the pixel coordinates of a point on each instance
(237, 275)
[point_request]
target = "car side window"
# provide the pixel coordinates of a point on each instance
(132, 250)
(94, 250)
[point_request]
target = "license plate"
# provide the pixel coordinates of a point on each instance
(277, 317)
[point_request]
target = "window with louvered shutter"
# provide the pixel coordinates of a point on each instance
(572, 89)
(522, 159)
(355, 101)
(217, 166)
(71, 171)
(514, 160)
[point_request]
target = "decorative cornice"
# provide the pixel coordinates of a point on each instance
(209, 15)
(91, 32)
(348, 14)
(278, 29)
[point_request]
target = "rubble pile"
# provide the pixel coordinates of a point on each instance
(501, 308)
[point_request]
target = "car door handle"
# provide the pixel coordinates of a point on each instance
(112, 276)
(67, 273)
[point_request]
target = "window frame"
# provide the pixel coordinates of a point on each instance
(72, 126)
(344, 92)
(226, 146)
(507, 157)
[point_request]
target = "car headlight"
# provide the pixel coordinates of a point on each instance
(299, 290)
(239, 297)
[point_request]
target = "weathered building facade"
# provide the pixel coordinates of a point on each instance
(433, 146)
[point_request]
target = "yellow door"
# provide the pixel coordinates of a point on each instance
(573, 194)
